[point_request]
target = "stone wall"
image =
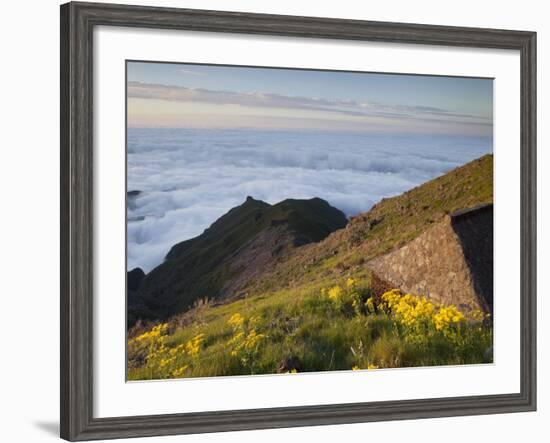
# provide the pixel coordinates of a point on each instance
(451, 262)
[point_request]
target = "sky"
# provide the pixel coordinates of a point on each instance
(203, 138)
(180, 95)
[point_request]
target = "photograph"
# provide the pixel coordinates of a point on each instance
(283, 220)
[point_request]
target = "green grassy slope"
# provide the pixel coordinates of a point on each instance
(388, 225)
(300, 330)
(398, 220)
(291, 321)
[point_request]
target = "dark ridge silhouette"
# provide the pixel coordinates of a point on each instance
(135, 277)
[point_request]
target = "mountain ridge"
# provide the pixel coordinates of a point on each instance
(266, 246)
(389, 224)
(324, 305)
(241, 242)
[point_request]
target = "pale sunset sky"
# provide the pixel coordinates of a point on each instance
(226, 97)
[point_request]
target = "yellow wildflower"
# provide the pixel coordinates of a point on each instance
(369, 305)
(390, 298)
(236, 321)
(335, 293)
(180, 371)
(253, 339)
(157, 331)
(447, 316)
(193, 346)
(166, 361)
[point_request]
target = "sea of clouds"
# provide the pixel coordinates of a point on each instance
(188, 178)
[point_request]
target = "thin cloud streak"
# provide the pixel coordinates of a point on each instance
(191, 72)
(269, 100)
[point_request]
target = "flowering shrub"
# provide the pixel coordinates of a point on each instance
(422, 319)
(246, 341)
(347, 299)
(156, 332)
(236, 321)
(418, 313)
(340, 326)
(193, 346)
(335, 294)
(446, 317)
(161, 360)
(411, 312)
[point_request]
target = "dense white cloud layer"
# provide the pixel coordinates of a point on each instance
(189, 178)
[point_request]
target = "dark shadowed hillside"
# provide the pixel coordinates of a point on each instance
(237, 247)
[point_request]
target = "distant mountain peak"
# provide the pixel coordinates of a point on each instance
(135, 277)
(237, 247)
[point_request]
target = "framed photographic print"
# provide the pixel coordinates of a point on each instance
(273, 221)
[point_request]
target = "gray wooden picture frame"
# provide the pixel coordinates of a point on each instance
(77, 24)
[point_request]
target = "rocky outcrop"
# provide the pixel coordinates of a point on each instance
(450, 263)
(134, 279)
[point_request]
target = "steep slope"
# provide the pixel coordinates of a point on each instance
(316, 307)
(236, 248)
(389, 225)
